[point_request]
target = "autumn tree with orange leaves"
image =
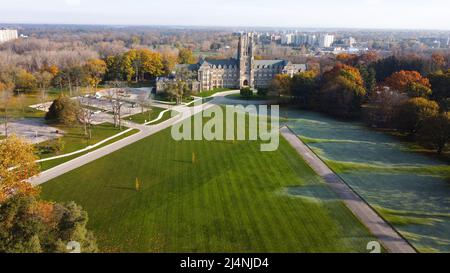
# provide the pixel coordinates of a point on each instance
(17, 163)
(400, 80)
(342, 92)
(29, 224)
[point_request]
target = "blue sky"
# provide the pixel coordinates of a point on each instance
(411, 14)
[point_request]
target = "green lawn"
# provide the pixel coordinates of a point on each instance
(233, 199)
(74, 138)
(165, 98)
(209, 93)
(409, 189)
(53, 163)
(254, 97)
(18, 105)
(147, 116)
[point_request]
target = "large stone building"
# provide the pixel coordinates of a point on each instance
(243, 71)
(8, 35)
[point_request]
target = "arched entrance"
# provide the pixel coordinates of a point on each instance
(246, 83)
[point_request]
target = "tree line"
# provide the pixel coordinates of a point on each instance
(385, 96)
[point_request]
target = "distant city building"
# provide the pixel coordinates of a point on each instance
(287, 39)
(326, 40)
(8, 35)
(436, 42)
(244, 71)
(350, 41)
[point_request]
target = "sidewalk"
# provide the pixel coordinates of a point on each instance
(389, 238)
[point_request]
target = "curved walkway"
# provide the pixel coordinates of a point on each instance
(388, 236)
(146, 131)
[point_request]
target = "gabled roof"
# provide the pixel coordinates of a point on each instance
(300, 67)
(217, 63)
(271, 63)
(191, 67)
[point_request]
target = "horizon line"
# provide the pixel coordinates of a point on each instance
(229, 27)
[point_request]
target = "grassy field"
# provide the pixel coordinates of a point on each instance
(232, 199)
(254, 97)
(411, 190)
(209, 93)
(53, 163)
(147, 116)
(74, 138)
(18, 104)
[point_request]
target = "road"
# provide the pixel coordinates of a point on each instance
(387, 235)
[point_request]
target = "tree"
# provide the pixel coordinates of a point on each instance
(44, 80)
(440, 82)
(185, 56)
(64, 110)
(383, 106)
(281, 85)
(138, 63)
(116, 106)
(86, 117)
(369, 77)
(5, 101)
(152, 64)
(437, 61)
(114, 67)
(342, 91)
(24, 81)
(304, 84)
(94, 70)
(17, 163)
(27, 223)
(53, 69)
(177, 89)
(348, 59)
(70, 77)
(31, 225)
(436, 129)
(169, 62)
(144, 101)
(401, 80)
(368, 58)
(418, 90)
(413, 113)
(246, 92)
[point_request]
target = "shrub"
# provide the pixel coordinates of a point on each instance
(246, 92)
(64, 111)
(262, 92)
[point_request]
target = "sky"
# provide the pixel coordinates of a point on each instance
(380, 14)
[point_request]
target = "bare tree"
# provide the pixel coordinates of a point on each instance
(6, 96)
(86, 117)
(116, 106)
(145, 102)
(44, 80)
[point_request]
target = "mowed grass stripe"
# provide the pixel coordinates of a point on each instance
(231, 200)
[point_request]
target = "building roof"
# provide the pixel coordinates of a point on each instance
(223, 62)
(191, 67)
(299, 67)
(270, 63)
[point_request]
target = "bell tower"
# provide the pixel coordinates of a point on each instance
(246, 58)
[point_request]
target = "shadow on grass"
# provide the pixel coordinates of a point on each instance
(182, 161)
(124, 188)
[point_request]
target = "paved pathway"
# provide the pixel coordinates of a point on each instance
(146, 131)
(388, 237)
